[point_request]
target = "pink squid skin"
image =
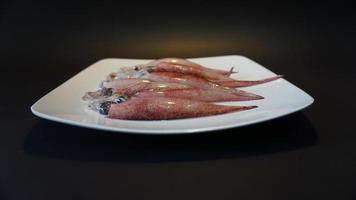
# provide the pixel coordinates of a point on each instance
(188, 79)
(203, 83)
(243, 83)
(198, 94)
(185, 62)
(162, 108)
(129, 87)
(208, 75)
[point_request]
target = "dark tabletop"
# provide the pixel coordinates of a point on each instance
(307, 155)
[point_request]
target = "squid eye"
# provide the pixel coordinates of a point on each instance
(104, 108)
(120, 99)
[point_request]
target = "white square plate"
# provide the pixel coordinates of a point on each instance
(64, 103)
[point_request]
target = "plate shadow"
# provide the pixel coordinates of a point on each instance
(59, 141)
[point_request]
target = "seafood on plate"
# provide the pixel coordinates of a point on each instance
(142, 87)
(199, 94)
(129, 87)
(163, 108)
(170, 88)
(185, 62)
(189, 74)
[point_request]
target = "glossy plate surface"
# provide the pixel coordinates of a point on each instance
(64, 103)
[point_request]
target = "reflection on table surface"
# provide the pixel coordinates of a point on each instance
(59, 141)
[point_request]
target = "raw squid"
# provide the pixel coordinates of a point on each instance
(187, 79)
(202, 73)
(196, 81)
(169, 88)
(170, 77)
(199, 94)
(243, 83)
(206, 73)
(188, 63)
(162, 108)
(129, 87)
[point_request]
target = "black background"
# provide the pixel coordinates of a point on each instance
(307, 155)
